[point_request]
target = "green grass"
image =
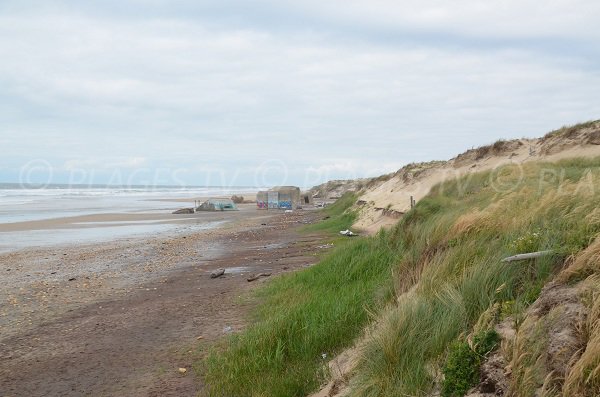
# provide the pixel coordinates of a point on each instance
(461, 369)
(452, 272)
(303, 316)
(427, 281)
(338, 216)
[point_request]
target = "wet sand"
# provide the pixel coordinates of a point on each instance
(96, 220)
(111, 219)
(120, 318)
(107, 227)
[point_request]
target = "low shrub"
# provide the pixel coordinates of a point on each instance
(461, 370)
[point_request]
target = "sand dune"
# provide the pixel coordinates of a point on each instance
(384, 201)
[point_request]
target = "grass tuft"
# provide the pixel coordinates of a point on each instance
(461, 370)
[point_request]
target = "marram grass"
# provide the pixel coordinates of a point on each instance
(304, 319)
(427, 282)
(458, 236)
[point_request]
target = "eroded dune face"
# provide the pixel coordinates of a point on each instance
(383, 200)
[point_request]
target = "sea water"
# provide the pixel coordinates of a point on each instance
(20, 204)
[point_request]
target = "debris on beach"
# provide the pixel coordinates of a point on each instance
(184, 211)
(217, 273)
(182, 370)
(257, 276)
(227, 329)
(325, 246)
(347, 233)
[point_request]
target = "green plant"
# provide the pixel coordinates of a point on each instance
(445, 256)
(485, 342)
(338, 216)
(451, 270)
(303, 315)
(528, 242)
(461, 370)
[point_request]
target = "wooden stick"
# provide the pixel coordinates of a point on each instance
(531, 255)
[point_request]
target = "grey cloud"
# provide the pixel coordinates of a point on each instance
(206, 87)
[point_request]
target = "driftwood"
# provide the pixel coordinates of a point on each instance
(531, 255)
(257, 276)
(217, 273)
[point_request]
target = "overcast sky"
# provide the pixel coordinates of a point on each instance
(269, 92)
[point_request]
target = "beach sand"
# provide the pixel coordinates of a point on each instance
(109, 220)
(119, 318)
(112, 219)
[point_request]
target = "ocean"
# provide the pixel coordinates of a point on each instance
(144, 210)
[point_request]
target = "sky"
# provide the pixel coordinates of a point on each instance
(269, 92)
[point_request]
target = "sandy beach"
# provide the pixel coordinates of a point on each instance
(121, 317)
(60, 216)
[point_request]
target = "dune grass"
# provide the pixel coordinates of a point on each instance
(338, 216)
(305, 318)
(427, 281)
(457, 236)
